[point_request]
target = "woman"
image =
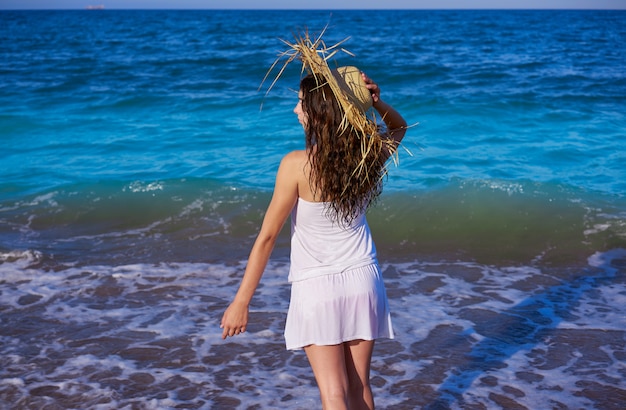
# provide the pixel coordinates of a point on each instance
(338, 303)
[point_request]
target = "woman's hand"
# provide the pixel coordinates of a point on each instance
(396, 125)
(372, 86)
(235, 320)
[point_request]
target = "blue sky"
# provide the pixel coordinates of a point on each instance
(318, 4)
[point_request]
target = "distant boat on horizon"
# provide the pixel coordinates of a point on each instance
(95, 7)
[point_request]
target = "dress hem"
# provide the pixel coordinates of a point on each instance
(344, 340)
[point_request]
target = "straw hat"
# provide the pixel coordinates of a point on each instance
(346, 83)
(347, 86)
(351, 82)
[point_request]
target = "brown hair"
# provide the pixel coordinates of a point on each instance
(342, 174)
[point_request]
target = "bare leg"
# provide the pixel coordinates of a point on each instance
(342, 373)
(358, 359)
(329, 367)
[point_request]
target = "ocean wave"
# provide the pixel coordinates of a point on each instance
(174, 220)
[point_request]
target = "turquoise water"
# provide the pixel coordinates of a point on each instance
(521, 109)
(137, 165)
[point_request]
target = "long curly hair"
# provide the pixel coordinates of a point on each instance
(342, 174)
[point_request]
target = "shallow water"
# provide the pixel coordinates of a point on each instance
(467, 336)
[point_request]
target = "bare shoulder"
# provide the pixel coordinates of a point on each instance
(297, 155)
(294, 167)
(294, 159)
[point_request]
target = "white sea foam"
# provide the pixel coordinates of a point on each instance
(466, 334)
(141, 186)
(21, 258)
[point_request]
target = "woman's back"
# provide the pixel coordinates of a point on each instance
(321, 244)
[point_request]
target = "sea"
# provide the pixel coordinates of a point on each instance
(139, 150)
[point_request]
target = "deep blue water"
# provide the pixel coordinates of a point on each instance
(116, 121)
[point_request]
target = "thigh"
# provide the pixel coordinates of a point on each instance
(329, 367)
(358, 354)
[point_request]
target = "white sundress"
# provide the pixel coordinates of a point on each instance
(337, 290)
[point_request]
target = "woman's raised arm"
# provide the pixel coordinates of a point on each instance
(396, 125)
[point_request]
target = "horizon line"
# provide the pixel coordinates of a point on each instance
(86, 8)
